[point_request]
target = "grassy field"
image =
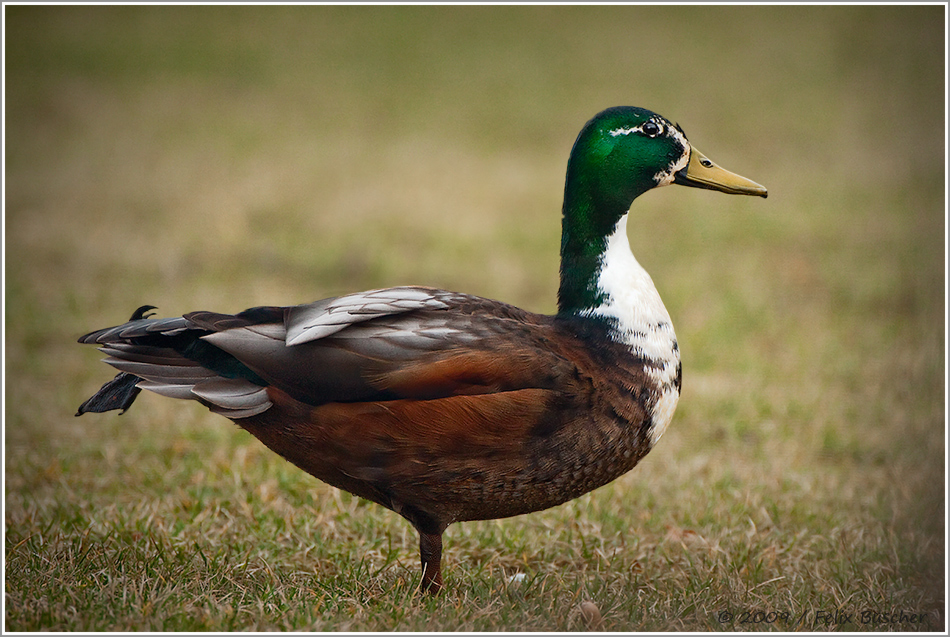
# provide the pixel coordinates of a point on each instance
(219, 158)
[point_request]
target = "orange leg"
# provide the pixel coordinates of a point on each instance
(430, 549)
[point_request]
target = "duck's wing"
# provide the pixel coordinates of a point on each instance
(397, 343)
(381, 345)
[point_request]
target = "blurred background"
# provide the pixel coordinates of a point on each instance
(224, 157)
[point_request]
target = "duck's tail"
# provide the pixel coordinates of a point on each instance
(121, 391)
(169, 357)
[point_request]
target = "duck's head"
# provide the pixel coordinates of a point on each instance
(620, 154)
(625, 151)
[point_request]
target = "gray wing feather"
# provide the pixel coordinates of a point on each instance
(329, 316)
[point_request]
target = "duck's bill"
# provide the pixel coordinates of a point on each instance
(701, 172)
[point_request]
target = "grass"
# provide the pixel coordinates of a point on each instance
(219, 158)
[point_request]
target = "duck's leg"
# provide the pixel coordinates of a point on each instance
(430, 549)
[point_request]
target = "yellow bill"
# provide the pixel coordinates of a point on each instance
(702, 172)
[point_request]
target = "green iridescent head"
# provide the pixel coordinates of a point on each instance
(625, 151)
(620, 154)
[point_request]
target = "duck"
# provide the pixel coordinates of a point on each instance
(442, 406)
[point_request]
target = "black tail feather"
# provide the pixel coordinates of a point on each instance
(118, 393)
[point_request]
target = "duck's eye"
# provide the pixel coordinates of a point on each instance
(650, 129)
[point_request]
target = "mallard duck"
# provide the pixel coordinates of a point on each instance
(443, 406)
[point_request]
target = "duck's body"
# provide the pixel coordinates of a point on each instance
(446, 407)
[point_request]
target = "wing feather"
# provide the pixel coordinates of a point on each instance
(318, 320)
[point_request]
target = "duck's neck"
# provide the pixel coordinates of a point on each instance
(604, 280)
(583, 247)
(599, 275)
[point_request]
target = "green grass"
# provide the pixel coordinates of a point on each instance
(219, 158)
